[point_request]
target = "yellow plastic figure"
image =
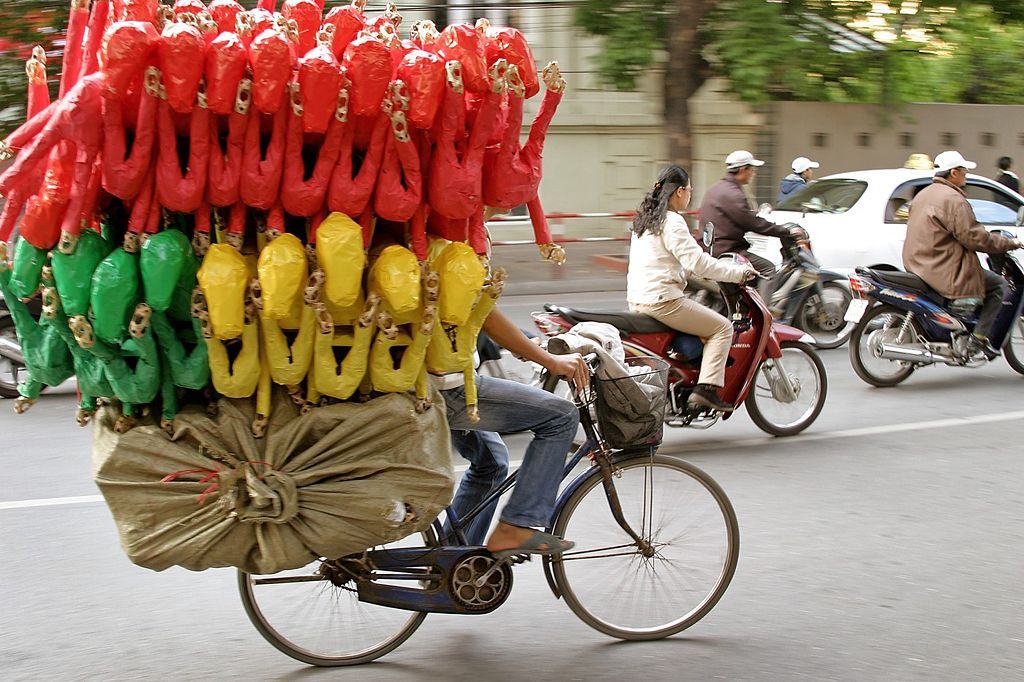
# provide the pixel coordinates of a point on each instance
(405, 321)
(467, 297)
(225, 302)
(340, 253)
(283, 276)
(341, 349)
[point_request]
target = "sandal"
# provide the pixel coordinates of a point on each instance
(538, 543)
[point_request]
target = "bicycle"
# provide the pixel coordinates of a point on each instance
(355, 609)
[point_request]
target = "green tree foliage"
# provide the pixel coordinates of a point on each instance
(823, 50)
(24, 24)
(929, 53)
(984, 58)
(634, 33)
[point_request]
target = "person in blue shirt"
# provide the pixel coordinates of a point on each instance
(803, 170)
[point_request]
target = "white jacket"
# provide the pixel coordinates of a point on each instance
(659, 264)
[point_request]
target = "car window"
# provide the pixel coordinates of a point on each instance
(991, 213)
(897, 209)
(991, 206)
(825, 196)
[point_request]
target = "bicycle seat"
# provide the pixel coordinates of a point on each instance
(903, 280)
(623, 321)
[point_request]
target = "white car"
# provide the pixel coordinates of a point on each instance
(860, 217)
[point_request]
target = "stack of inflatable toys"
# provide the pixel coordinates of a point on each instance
(223, 199)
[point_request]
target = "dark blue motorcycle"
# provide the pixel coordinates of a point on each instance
(911, 325)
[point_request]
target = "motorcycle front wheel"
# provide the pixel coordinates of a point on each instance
(821, 316)
(788, 392)
(881, 324)
(10, 371)
(1013, 351)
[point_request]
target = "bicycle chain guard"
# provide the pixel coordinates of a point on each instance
(456, 592)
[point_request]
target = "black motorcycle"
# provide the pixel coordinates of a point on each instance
(804, 295)
(800, 294)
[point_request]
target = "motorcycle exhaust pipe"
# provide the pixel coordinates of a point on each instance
(920, 356)
(11, 350)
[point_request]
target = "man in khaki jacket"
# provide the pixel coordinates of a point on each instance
(943, 237)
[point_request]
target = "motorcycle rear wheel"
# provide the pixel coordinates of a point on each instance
(806, 373)
(886, 321)
(1013, 350)
(821, 316)
(10, 371)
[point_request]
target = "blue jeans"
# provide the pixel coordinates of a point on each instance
(508, 406)
(488, 469)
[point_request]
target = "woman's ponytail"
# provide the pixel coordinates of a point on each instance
(650, 216)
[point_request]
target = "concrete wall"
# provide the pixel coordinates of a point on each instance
(846, 137)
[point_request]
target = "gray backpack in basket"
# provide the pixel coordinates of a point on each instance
(631, 409)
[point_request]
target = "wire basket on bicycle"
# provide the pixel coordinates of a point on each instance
(631, 409)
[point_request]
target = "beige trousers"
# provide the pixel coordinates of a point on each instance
(685, 315)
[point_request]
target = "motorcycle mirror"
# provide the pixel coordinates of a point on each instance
(1020, 216)
(707, 234)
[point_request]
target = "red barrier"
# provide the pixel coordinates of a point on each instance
(571, 240)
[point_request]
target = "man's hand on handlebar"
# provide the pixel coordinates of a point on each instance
(571, 366)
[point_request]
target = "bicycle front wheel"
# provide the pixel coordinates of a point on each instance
(314, 615)
(688, 520)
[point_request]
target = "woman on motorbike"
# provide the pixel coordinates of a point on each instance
(662, 254)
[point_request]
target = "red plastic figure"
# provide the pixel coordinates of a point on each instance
(226, 62)
(512, 173)
(456, 175)
(423, 72)
(319, 80)
(307, 15)
(400, 183)
(124, 172)
(272, 58)
(510, 44)
(181, 56)
(225, 14)
(348, 21)
(464, 44)
(367, 62)
(263, 164)
(301, 195)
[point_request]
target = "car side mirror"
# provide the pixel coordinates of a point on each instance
(1020, 217)
(707, 234)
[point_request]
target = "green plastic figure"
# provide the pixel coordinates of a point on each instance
(48, 361)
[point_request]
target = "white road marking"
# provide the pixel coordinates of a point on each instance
(51, 501)
(696, 447)
(851, 433)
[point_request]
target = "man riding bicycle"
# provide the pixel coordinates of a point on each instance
(508, 406)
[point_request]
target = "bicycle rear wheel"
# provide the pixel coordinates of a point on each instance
(313, 615)
(691, 524)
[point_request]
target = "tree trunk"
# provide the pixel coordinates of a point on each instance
(685, 72)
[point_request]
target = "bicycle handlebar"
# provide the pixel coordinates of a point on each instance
(551, 380)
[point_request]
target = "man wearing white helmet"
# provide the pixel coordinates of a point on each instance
(803, 171)
(943, 236)
(726, 205)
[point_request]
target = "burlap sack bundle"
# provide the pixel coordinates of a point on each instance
(328, 483)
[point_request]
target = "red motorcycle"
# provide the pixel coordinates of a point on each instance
(772, 368)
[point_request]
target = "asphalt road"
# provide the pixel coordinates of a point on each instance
(886, 543)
